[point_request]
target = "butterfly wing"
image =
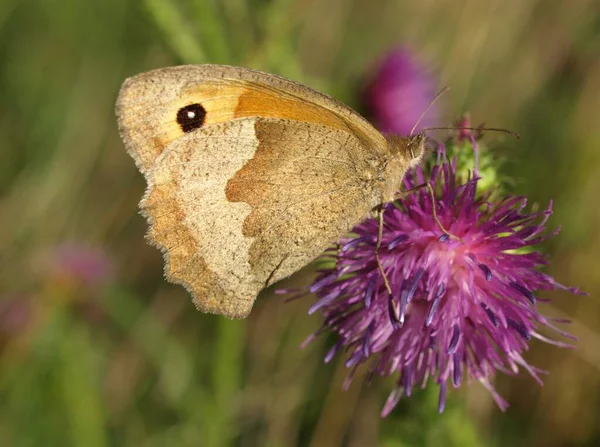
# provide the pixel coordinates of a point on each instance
(246, 200)
(148, 104)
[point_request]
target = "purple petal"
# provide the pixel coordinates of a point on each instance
(524, 291)
(397, 241)
(486, 271)
(454, 340)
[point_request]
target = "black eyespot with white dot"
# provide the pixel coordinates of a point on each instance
(191, 117)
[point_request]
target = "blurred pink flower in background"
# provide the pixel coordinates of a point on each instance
(69, 275)
(16, 314)
(399, 91)
(78, 263)
(74, 273)
(18, 319)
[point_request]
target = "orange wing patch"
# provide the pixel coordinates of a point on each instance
(226, 101)
(257, 101)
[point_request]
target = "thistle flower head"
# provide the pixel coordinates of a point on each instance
(461, 308)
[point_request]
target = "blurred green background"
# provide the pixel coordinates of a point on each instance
(96, 349)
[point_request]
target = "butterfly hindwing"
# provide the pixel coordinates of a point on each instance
(230, 226)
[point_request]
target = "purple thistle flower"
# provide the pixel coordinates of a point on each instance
(460, 309)
(399, 91)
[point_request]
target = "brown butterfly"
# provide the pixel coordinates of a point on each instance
(251, 176)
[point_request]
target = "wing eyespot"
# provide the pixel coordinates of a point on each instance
(191, 117)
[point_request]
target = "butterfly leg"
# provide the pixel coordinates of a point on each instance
(378, 246)
(433, 207)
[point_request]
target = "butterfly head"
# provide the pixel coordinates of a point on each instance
(415, 148)
(404, 153)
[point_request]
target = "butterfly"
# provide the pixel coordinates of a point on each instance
(251, 176)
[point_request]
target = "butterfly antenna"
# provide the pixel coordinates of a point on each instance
(441, 92)
(491, 129)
